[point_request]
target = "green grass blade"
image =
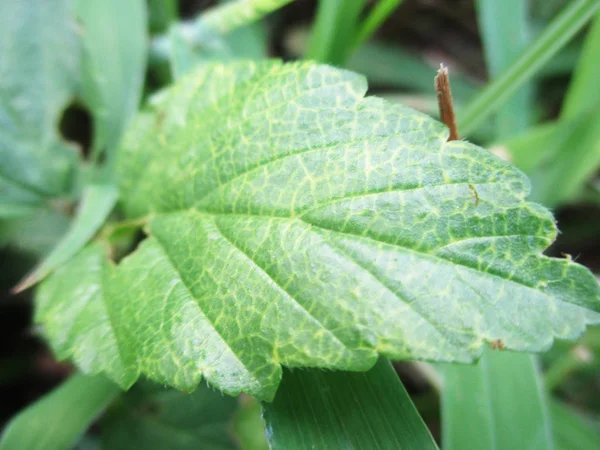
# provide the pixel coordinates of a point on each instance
(584, 94)
(335, 410)
(572, 431)
(96, 204)
(248, 426)
(497, 404)
(380, 12)
(57, 420)
(161, 14)
(552, 39)
(504, 30)
(334, 31)
(566, 153)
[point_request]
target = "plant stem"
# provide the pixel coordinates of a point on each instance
(444, 96)
(552, 39)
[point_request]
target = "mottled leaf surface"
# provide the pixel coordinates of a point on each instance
(292, 221)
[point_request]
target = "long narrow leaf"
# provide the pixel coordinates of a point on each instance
(572, 431)
(505, 30)
(58, 419)
(344, 410)
(334, 32)
(96, 204)
(497, 404)
(552, 39)
(380, 12)
(584, 94)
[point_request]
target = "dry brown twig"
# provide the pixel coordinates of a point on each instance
(444, 96)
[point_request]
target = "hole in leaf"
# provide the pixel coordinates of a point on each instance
(124, 242)
(76, 126)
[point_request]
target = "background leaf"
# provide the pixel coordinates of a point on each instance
(155, 418)
(504, 28)
(326, 244)
(96, 204)
(335, 410)
(115, 45)
(38, 68)
(501, 397)
(572, 430)
(56, 421)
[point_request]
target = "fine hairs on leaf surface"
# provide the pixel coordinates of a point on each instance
(292, 221)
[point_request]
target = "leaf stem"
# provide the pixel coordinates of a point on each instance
(552, 39)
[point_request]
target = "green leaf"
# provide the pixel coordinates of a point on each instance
(56, 421)
(504, 28)
(38, 69)
(377, 16)
(80, 328)
(335, 31)
(114, 65)
(571, 430)
(35, 234)
(161, 14)
(96, 204)
(155, 418)
(554, 37)
(566, 153)
(502, 398)
(249, 427)
(583, 95)
(335, 410)
(294, 222)
(248, 42)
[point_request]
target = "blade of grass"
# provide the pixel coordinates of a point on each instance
(248, 427)
(56, 421)
(378, 14)
(349, 410)
(161, 14)
(571, 153)
(558, 32)
(572, 431)
(570, 159)
(497, 404)
(504, 29)
(334, 30)
(96, 204)
(584, 93)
